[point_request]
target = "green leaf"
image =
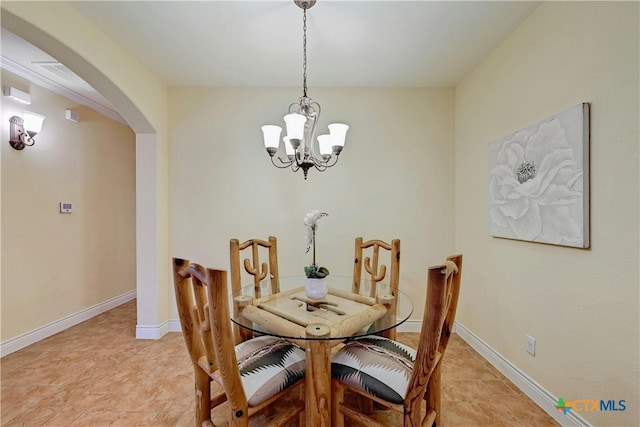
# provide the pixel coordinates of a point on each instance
(322, 272)
(309, 271)
(315, 272)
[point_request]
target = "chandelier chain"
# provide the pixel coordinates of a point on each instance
(304, 52)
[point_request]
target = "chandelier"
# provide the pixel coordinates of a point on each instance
(301, 123)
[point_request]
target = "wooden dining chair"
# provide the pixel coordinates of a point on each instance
(251, 270)
(253, 374)
(367, 258)
(395, 375)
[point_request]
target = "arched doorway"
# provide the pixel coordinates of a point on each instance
(151, 228)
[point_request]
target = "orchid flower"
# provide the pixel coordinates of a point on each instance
(311, 223)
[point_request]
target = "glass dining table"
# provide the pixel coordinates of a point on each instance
(281, 308)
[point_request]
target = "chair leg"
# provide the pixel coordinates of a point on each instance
(337, 400)
(392, 334)
(203, 396)
(365, 405)
(302, 415)
(268, 411)
(432, 396)
(412, 413)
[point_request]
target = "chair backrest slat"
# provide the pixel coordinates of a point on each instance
(191, 296)
(252, 269)
(454, 292)
(224, 343)
(376, 271)
(443, 287)
(252, 265)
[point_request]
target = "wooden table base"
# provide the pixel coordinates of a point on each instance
(318, 377)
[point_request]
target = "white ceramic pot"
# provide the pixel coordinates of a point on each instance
(316, 288)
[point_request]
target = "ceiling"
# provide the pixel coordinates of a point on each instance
(361, 43)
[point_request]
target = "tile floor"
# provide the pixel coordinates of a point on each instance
(97, 374)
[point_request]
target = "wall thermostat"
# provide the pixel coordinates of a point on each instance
(66, 207)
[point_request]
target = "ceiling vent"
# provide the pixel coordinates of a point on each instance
(61, 72)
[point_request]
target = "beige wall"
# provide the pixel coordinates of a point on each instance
(582, 306)
(140, 98)
(54, 264)
(394, 178)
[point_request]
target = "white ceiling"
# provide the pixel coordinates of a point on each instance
(26, 60)
(259, 43)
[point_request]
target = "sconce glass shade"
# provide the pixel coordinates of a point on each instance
(32, 122)
(271, 136)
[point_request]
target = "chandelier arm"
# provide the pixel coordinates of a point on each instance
(332, 160)
(316, 162)
(297, 158)
(283, 163)
(333, 156)
(320, 167)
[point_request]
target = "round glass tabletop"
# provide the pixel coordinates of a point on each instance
(283, 308)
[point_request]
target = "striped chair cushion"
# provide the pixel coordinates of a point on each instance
(377, 365)
(267, 366)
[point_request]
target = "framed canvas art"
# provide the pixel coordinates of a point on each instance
(539, 181)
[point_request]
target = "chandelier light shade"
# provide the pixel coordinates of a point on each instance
(301, 150)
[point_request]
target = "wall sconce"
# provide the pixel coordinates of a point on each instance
(22, 131)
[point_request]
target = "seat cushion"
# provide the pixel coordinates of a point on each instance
(377, 365)
(267, 366)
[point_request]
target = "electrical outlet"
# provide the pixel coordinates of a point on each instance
(531, 345)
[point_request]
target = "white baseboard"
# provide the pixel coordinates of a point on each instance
(410, 326)
(14, 344)
(144, 332)
(156, 332)
(174, 325)
(528, 386)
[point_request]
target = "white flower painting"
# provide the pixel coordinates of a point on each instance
(539, 181)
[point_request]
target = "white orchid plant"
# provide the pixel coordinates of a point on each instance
(311, 219)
